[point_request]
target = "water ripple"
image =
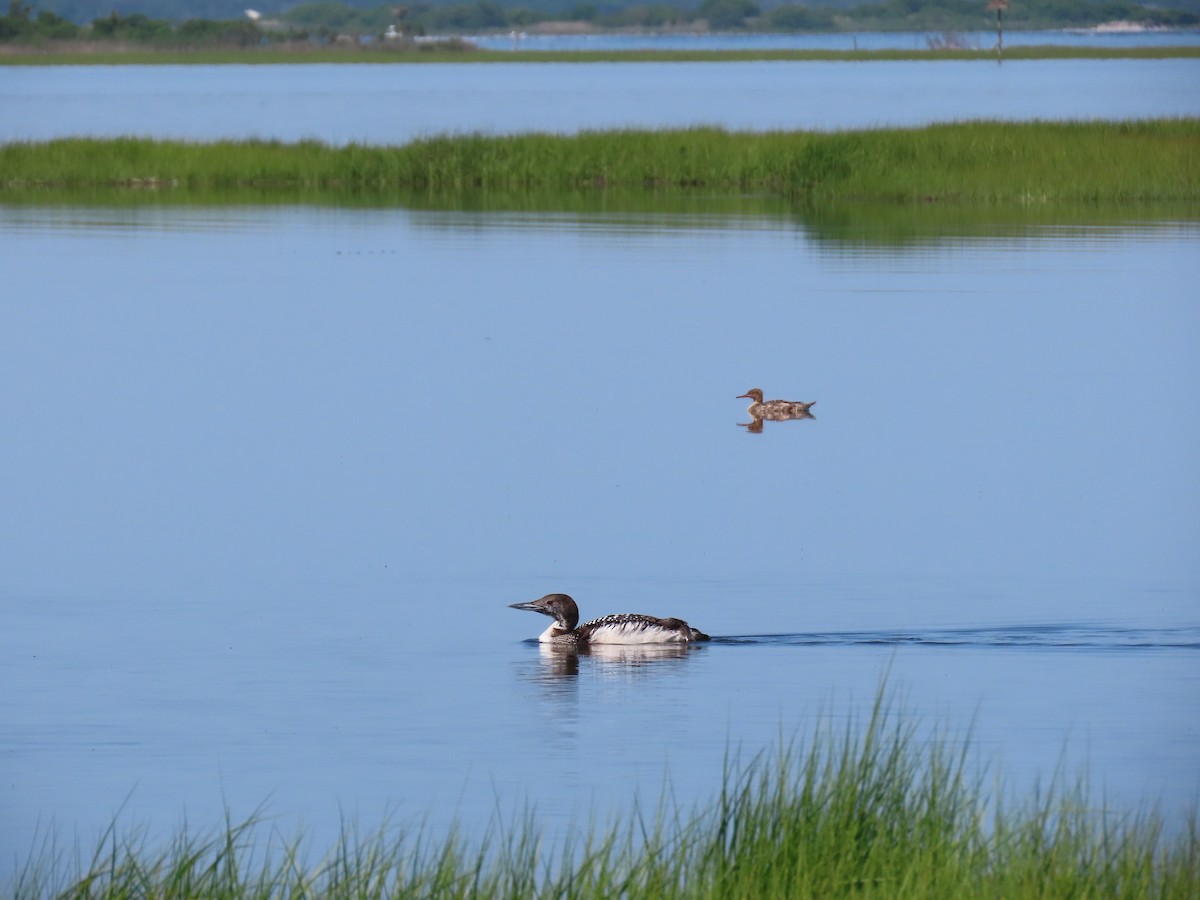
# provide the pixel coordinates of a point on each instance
(1066, 637)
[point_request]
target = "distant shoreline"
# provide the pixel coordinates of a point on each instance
(106, 53)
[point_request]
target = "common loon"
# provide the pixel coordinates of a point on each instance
(622, 628)
(775, 410)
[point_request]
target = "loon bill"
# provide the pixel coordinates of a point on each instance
(622, 628)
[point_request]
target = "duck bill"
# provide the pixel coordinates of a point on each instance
(743, 397)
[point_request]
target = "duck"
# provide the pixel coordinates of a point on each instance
(621, 628)
(775, 410)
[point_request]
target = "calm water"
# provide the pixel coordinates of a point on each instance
(272, 475)
(395, 103)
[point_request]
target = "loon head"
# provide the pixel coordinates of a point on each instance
(754, 394)
(559, 607)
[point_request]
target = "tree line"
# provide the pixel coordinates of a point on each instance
(21, 25)
(324, 19)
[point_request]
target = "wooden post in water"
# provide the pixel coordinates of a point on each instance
(999, 6)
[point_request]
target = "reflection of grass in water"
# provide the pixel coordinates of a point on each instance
(875, 225)
(838, 226)
(581, 202)
(865, 812)
(977, 163)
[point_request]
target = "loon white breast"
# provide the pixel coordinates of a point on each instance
(623, 628)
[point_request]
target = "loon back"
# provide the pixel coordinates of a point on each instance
(634, 628)
(623, 628)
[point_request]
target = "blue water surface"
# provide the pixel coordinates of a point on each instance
(271, 477)
(387, 104)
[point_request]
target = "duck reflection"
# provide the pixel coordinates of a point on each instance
(761, 410)
(756, 426)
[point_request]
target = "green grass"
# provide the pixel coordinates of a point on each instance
(979, 163)
(870, 811)
(100, 55)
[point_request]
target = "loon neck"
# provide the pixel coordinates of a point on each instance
(558, 634)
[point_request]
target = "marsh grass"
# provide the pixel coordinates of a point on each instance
(872, 810)
(976, 163)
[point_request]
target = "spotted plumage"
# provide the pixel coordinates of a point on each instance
(621, 628)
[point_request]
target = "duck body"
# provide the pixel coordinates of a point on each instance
(775, 410)
(622, 628)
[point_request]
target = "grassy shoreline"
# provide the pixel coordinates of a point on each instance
(977, 163)
(143, 56)
(864, 811)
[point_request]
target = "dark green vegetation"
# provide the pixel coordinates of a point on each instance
(979, 163)
(870, 811)
(22, 30)
(743, 15)
(58, 21)
(21, 25)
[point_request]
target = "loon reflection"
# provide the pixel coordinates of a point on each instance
(622, 628)
(558, 666)
(776, 410)
(562, 660)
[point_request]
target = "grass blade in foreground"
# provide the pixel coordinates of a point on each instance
(974, 163)
(872, 811)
